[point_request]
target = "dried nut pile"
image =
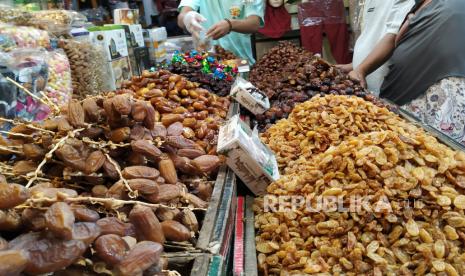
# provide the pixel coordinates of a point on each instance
(322, 122)
(123, 173)
(87, 68)
(289, 75)
(404, 200)
(223, 54)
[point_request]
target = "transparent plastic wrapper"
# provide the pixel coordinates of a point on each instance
(7, 43)
(88, 67)
(28, 68)
(61, 17)
(54, 29)
(59, 88)
(317, 12)
(26, 37)
(14, 15)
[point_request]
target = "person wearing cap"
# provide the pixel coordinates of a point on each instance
(228, 22)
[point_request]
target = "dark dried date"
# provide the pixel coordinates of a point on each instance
(111, 248)
(147, 225)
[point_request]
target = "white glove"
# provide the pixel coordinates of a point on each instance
(192, 21)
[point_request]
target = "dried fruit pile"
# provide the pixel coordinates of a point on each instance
(207, 81)
(405, 200)
(123, 174)
(290, 75)
(375, 195)
(322, 122)
(223, 54)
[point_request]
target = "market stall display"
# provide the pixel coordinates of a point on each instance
(210, 72)
(322, 122)
(223, 54)
(89, 72)
(402, 190)
(26, 37)
(124, 173)
(59, 88)
(289, 75)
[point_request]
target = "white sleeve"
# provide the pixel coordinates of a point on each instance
(397, 14)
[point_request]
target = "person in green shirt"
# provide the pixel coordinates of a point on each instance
(229, 22)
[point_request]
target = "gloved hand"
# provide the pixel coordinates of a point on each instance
(192, 22)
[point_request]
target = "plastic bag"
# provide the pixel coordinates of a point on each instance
(59, 88)
(61, 17)
(89, 69)
(26, 37)
(317, 12)
(29, 68)
(14, 16)
(7, 43)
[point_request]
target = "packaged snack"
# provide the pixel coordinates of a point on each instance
(13, 15)
(59, 88)
(28, 68)
(26, 37)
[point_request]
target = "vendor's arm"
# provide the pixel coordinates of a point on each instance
(223, 27)
(188, 18)
(249, 23)
(380, 54)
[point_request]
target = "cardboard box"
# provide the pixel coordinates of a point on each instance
(246, 94)
(252, 161)
(134, 39)
(155, 40)
(126, 16)
(113, 39)
(141, 60)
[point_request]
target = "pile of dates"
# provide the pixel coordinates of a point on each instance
(223, 54)
(220, 87)
(125, 174)
(289, 75)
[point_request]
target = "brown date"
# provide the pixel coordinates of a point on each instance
(12, 195)
(122, 104)
(137, 132)
(112, 225)
(92, 132)
(120, 134)
(169, 118)
(23, 167)
(99, 191)
(10, 220)
(146, 148)
(52, 193)
(146, 223)
(168, 171)
(136, 159)
(190, 153)
(196, 201)
(86, 232)
(164, 213)
(76, 115)
(138, 111)
(91, 110)
(59, 219)
(207, 164)
(117, 191)
(145, 186)
(48, 254)
(175, 129)
(94, 162)
(142, 256)
(109, 168)
(82, 213)
(33, 219)
(13, 262)
(133, 172)
(175, 231)
(111, 248)
(152, 116)
(159, 131)
(166, 193)
(33, 151)
(188, 219)
(180, 142)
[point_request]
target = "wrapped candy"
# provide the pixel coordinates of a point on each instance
(26, 37)
(59, 88)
